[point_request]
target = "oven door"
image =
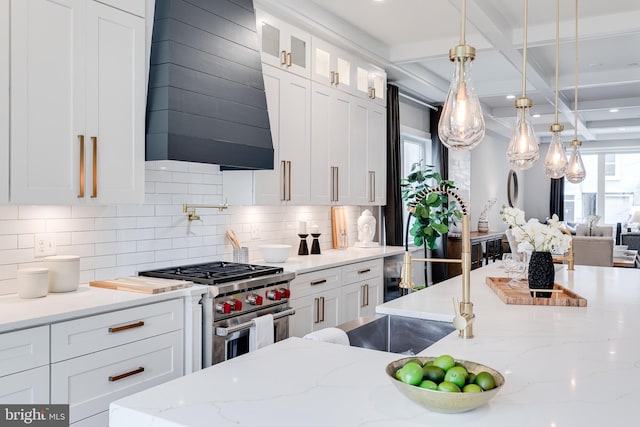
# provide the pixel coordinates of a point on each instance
(231, 336)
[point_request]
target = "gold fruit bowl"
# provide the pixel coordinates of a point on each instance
(442, 401)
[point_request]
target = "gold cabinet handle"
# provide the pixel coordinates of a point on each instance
(322, 301)
(289, 179)
(318, 282)
(333, 77)
(125, 327)
(126, 374)
(373, 93)
(289, 59)
(317, 303)
(337, 183)
(362, 304)
(372, 186)
(366, 286)
(81, 167)
(283, 168)
(337, 79)
(94, 193)
(364, 270)
(283, 57)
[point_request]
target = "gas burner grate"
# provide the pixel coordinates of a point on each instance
(214, 272)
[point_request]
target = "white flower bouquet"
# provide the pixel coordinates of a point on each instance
(534, 236)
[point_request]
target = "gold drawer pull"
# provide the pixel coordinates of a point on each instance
(126, 374)
(81, 189)
(365, 270)
(318, 282)
(125, 327)
(94, 194)
(283, 57)
(289, 59)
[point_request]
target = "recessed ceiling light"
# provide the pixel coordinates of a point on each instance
(613, 110)
(536, 115)
(511, 96)
(621, 129)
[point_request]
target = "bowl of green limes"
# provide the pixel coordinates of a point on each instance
(444, 384)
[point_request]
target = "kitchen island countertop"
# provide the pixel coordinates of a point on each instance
(564, 366)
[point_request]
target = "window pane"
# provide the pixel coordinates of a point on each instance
(621, 187)
(583, 196)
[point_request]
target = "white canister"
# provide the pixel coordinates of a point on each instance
(33, 282)
(64, 272)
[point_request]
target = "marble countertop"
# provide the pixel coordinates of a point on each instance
(19, 313)
(300, 264)
(564, 366)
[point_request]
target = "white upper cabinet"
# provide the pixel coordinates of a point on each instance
(77, 103)
(283, 45)
(371, 82)
(4, 100)
(332, 66)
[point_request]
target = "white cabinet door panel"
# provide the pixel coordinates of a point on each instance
(47, 99)
(115, 104)
(25, 349)
(26, 387)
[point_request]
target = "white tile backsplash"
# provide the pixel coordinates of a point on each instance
(120, 240)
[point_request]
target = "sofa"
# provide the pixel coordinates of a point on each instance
(593, 250)
(596, 231)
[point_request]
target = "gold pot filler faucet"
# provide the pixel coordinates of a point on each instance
(464, 317)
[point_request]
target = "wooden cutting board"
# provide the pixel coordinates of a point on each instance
(338, 224)
(560, 296)
(142, 284)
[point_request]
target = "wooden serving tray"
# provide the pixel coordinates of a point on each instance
(142, 284)
(560, 296)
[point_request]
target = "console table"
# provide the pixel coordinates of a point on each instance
(491, 240)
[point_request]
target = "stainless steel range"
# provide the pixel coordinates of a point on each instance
(240, 293)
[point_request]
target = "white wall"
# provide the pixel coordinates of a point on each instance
(115, 241)
(489, 173)
(537, 188)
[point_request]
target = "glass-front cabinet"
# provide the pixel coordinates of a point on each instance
(283, 45)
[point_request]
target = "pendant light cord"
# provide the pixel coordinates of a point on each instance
(575, 92)
(463, 23)
(557, 50)
(524, 51)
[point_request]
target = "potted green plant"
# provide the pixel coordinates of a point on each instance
(434, 213)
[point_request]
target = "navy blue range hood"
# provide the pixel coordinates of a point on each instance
(206, 101)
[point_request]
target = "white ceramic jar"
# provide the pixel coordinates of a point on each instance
(64, 272)
(33, 282)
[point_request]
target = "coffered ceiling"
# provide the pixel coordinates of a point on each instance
(411, 38)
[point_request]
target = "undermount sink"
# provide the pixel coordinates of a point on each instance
(395, 334)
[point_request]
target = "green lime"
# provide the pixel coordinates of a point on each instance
(456, 375)
(485, 380)
(413, 361)
(471, 379)
(445, 362)
(433, 373)
(428, 363)
(411, 373)
(430, 385)
(447, 386)
(472, 388)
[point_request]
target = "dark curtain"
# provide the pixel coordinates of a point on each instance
(440, 155)
(393, 208)
(556, 198)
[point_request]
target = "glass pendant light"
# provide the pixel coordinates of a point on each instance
(461, 125)
(555, 163)
(576, 172)
(523, 150)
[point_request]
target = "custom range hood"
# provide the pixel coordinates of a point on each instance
(206, 100)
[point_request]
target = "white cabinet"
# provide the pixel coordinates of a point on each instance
(77, 103)
(332, 66)
(363, 289)
(330, 141)
(316, 301)
(282, 45)
(4, 100)
(24, 366)
(376, 156)
(100, 358)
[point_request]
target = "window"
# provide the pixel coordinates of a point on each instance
(414, 149)
(610, 190)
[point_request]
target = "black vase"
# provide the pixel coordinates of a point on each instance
(541, 273)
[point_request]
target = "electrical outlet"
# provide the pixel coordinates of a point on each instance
(45, 245)
(255, 232)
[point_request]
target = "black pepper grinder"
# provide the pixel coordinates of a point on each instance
(315, 245)
(303, 249)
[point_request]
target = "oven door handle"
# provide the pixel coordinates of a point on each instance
(223, 332)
